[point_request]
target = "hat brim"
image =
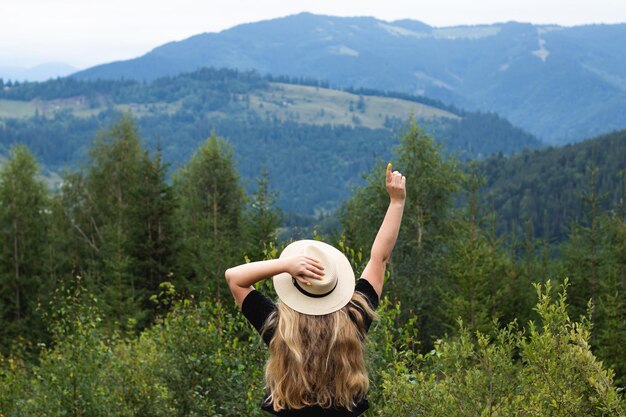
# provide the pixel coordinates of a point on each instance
(336, 300)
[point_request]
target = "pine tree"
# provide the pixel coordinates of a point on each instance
(582, 252)
(477, 288)
(262, 217)
(610, 334)
(23, 237)
(113, 181)
(420, 255)
(209, 217)
(154, 237)
(119, 211)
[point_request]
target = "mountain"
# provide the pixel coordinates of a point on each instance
(562, 84)
(40, 72)
(308, 136)
(546, 187)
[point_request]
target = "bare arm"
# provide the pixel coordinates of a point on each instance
(388, 233)
(241, 278)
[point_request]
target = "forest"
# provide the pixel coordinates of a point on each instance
(256, 115)
(113, 299)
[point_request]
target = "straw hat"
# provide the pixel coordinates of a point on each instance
(324, 296)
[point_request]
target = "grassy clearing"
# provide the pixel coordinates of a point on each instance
(287, 102)
(17, 109)
(313, 105)
(149, 109)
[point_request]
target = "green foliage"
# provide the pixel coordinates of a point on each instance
(595, 259)
(421, 250)
(24, 213)
(209, 217)
(262, 217)
(556, 373)
(199, 359)
(203, 359)
(71, 376)
(609, 338)
(210, 362)
(476, 270)
(14, 382)
(129, 344)
(115, 222)
(517, 188)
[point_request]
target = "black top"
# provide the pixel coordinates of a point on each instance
(257, 308)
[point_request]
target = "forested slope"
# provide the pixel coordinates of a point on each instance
(315, 134)
(550, 188)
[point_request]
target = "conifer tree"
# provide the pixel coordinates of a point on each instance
(23, 237)
(594, 258)
(420, 254)
(154, 236)
(609, 337)
(582, 252)
(262, 217)
(119, 211)
(610, 334)
(476, 271)
(209, 217)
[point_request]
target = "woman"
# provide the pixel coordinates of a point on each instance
(316, 333)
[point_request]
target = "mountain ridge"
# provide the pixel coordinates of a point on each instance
(40, 72)
(560, 83)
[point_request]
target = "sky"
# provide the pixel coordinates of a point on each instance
(84, 33)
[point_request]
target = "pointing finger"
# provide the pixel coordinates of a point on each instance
(388, 174)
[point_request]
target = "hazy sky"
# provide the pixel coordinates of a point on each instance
(87, 32)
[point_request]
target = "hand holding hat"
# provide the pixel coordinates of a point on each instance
(303, 288)
(304, 268)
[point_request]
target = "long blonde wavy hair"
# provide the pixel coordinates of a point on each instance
(318, 360)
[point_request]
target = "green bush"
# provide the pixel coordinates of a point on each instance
(547, 371)
(209, 360)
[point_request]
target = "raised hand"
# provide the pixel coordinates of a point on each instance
(396, 184)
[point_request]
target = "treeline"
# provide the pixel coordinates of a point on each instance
(335, 153)
(63, 141)
(122, 227)
(205, 82)
(174, 112)
(99, 283)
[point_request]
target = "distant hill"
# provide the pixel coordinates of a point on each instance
(546, 187)
(307, 135)
(41, 72)
(562, 84)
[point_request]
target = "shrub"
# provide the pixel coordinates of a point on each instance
(548, 371)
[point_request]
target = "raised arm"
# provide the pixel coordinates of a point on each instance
(241, 278)
(388, 233)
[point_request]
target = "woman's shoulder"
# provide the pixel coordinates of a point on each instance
(257, 308)
(364, 287)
